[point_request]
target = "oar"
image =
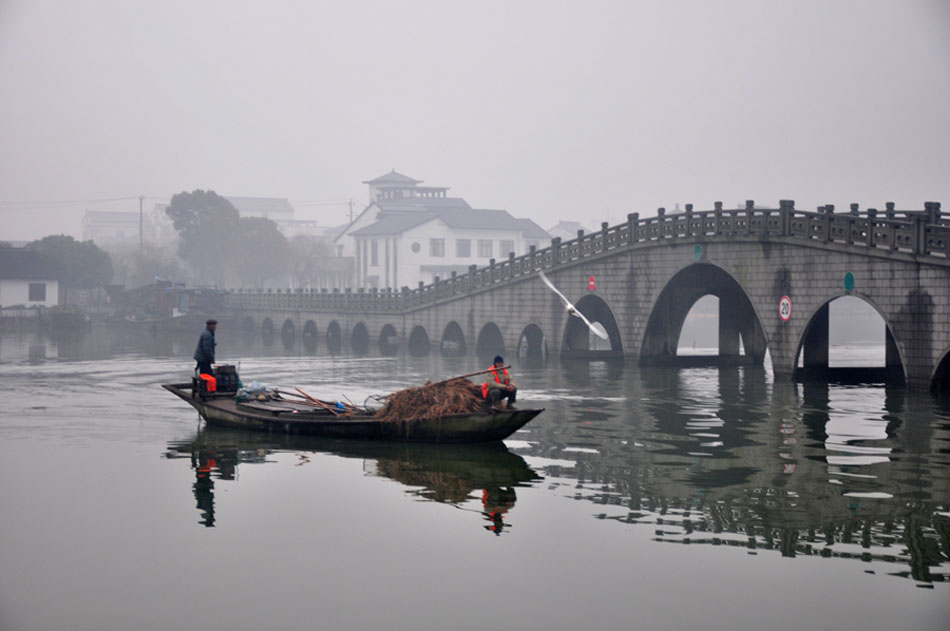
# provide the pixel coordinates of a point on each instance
(472, 374)
(317, 401)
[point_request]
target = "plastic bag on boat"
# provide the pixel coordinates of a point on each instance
(255, 387)
(241, 395)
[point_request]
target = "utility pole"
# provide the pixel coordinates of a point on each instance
(350, 204)
(141, 237)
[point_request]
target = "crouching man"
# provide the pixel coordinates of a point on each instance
(499, 386)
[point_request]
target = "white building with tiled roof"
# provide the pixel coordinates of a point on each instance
(409, 234)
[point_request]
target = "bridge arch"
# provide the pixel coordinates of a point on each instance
(739, 322)
(248, 324)
(334, 337)
(578, 337)
(359, 339)
(418, 341)
(490, 342)
(940, 382)
(267, 331)
(288, 333)
(453, 340)
(813, 350)
(531, 344)
(309, 336)
(388, 342)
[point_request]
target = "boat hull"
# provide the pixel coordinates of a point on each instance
(480, 427)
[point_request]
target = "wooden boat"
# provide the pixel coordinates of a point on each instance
(291, 417)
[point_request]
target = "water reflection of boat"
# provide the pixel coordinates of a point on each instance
(450, 474)
(288, 418)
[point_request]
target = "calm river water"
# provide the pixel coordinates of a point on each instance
(641, 498)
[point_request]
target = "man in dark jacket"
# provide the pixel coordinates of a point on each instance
(204, 353)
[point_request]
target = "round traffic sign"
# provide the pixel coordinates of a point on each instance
(785, 308)
(591, 284)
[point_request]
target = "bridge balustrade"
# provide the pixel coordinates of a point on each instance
(922, 233)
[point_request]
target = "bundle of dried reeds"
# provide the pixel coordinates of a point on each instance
(432, 400)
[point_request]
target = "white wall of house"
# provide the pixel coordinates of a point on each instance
(17, 292)
(413, 256)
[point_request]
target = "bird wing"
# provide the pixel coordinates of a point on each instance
(554, 289)
(595, 327)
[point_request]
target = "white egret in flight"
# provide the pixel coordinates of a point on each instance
(595, 327)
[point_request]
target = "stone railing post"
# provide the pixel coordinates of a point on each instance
(603, 230)
(872, 219)
(689, 221)
(889, 210)
(786, 207)
(749, 211)
(511, 265)
(633, 223)
(829, 211)
(660, 220)
(555, 251)
(717, 215)
(471, 276)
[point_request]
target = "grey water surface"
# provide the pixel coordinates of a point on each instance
(640, 499)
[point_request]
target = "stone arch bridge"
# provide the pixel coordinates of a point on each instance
(775, 271)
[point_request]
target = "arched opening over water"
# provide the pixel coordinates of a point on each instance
(722, 323)
(334, 338)
(532, 344)
(388, 341)
(267, 331)
(288, 333)
(310, 336)
(940, 384)
(418, 342)
(453, 340)
(490, 343)
(359, 339)
(581, 342)
(847, 339)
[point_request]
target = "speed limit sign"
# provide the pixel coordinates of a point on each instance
(785, 308)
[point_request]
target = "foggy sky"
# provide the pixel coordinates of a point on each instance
(551, 110)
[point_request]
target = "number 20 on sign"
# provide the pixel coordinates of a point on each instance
(785, 308)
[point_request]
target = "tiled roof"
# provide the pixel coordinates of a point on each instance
(23, 264)
(393, 178)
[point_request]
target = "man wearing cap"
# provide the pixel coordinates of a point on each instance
(204, 353)
(499, 386)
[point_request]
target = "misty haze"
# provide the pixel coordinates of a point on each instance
(428, 315)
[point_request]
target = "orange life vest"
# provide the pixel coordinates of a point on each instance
(210, 382)
(494, 372)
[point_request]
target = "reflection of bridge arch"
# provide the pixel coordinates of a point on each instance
(453, 340)
(531, 344)
(310, 335)
(334, 337)
(388, 340)
(359, 339)
(738, 320)
(813, 348)
(578, 337)
(490, 342)
(267, 328)
(418, 342)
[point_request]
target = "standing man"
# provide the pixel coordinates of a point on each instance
(499, 386)
(204, 353)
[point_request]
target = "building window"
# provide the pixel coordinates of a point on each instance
(374, 253)
(436, 247)
(37, 292)
(484, 248)
(463, 248)
(507, 247)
